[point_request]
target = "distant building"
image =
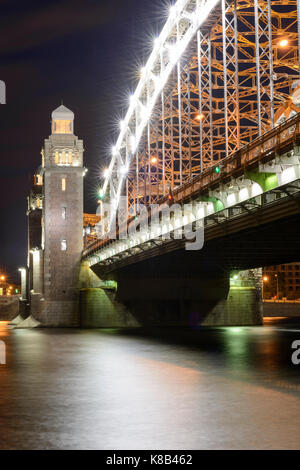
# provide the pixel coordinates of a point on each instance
(282, 281)
(55, 211)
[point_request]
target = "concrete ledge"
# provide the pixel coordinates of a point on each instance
(281, 309)
(9, 308)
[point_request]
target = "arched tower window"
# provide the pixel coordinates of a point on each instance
(62, 120)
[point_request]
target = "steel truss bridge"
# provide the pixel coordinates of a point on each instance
(213, 120)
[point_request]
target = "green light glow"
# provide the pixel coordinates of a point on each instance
(235, 330)
(266, 181)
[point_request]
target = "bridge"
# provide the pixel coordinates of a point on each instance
(259, 181)
(202, 188)
(212, 128)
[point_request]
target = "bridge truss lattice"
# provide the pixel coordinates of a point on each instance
(218, 76)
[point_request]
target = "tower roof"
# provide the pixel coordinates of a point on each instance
(63, 113)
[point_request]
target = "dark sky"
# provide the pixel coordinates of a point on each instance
(84, 52)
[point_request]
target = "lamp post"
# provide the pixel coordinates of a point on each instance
(2, 284)
(277, 290)
(265, 279)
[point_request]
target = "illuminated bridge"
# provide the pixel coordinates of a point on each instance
(213, 126)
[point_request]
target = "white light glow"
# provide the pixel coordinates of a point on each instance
(200, 213)
(256, 190)
(181, 10)
(244, 194)
(172, 11)
(288, 175)
(123, 170)
(164, 229)
(231, 199)
(155, 44)
(210, 208)
(173, 52)
(133, 143)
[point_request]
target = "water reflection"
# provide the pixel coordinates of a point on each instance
(160, 388)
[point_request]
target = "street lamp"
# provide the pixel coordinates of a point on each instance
(276, 275)
(265, 279)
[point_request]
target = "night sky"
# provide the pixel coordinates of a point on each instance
(84, 52)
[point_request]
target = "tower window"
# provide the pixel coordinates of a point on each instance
(63, 184)
(64, 213)
(62, 127)
(64, 245)
(70, 158)
(56, 158)
(38, 180)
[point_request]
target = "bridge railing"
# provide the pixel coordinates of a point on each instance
(262, 149)
(278, 140)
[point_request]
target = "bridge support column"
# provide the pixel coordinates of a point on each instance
(208, 301)
(243, 304)
(135, 301)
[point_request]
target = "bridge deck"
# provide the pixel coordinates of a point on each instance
(262, 150)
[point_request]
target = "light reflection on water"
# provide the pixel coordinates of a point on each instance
(162, 389)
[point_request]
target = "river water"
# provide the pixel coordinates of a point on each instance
(213, 388)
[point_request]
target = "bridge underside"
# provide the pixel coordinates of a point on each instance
(214, 122)
(212, 286)
(229, 249)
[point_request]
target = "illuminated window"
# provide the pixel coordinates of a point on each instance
(56, 158)
(38, 180)
(64, 213)
(63, 184)
(70, 158)
(38, 202)
(63, 157)
(64, 245)
(62, 127)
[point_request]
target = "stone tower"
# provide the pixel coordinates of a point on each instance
(54, 301)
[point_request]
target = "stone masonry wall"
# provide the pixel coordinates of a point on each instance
(99, 308)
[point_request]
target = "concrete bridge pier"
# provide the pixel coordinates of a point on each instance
(147, 301)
